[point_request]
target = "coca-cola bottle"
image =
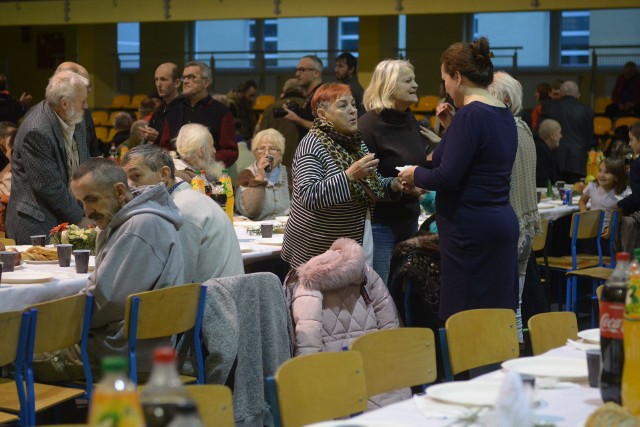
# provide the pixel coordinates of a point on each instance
(611, 337)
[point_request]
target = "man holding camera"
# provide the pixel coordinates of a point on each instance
(273, 117)
(309, 76)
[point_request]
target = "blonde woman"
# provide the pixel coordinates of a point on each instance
(390, 130)
(263, 190)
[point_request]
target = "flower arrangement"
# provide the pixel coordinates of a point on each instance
(80, 238)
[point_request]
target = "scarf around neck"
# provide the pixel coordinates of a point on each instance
(346, 150)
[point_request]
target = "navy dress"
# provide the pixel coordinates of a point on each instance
(478, 228)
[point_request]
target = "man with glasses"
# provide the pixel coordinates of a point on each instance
(309, 75)
(167, 82)
(200, 107)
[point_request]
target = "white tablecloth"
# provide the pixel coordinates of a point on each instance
(255, 247)
(554, 209)
(65, 282)
(564, 407)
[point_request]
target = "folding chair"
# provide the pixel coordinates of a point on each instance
(317, 387)
(397, 358)
(14, 329)
(215, 404)
(163, 313)
(480, 337)
(551, 330)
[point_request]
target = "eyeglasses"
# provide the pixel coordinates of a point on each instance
(272, 150)
(191, 78)
(302, 69)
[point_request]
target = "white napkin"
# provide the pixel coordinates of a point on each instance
(431, 408)
(514, 406)
(578, 345)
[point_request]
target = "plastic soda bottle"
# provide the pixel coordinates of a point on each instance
(631, 372)
(208, 188)
(225, 179)
(549, 189)
(611, 335)
(186, 416)
(164, 392)
(114, 401)
(197, 182)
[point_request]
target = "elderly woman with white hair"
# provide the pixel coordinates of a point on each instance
(263, 190)
(194, 144)
(390, 130)
(522, 195)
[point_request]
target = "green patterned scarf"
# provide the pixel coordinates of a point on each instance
(346, 150)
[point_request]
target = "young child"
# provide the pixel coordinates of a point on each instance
(602, 192)
(631, 203)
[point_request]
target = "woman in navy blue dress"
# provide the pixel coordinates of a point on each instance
(471, 174)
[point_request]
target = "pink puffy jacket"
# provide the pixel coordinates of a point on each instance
(337, 298)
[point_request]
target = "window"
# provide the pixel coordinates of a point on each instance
(348, 34)
(529, 30)
(228, 42)
(301, 36)
(129, 45)
(574, 38)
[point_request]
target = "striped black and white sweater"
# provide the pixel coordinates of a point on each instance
(322, 207)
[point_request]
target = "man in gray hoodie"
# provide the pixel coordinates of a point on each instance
(137, 250)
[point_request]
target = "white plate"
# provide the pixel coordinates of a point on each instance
(30, 261)
(26, 277)
(469, 393)
(590, 335)
(545, 206)
(358, 423)
(271, 241)
(557, 367)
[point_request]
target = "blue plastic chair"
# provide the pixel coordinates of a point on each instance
(14, 329)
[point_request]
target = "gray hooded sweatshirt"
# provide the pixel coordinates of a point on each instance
(139, 251)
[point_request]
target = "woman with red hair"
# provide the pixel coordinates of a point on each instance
(335, 182)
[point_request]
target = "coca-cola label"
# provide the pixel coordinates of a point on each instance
(611, 318)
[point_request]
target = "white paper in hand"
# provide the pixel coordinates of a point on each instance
(401, 168)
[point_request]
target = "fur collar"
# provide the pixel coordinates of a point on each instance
(341, 266)
(428, 242)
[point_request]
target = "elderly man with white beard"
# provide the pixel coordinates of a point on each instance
(195, 146)
(49, 147)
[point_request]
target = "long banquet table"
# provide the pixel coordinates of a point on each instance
(566, 405)
(64, 281)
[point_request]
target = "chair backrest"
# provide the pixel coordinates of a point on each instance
(163, 313)
(396, 358)
(136, 100)
(7, 242)
(120, 101)
(263, 101)
(428, 103)
(215, 404)
(100, 118)
(14, 330)
(601, 125)
(475, 338)
(586, 225)
(102, 133)
(59, 323)
(625, 121)
(551, 330)
(540, 241)
(600, 104)
(317, 387)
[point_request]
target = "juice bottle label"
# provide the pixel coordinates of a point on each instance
(611, 316)
(116, 409)
(632, 308)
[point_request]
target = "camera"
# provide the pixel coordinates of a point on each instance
(280, 112)
(269, 168)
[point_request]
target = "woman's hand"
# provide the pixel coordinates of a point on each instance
(263, 163)
(445, 113)
(406, 177)
(605, 233)
(362, 168)
(429, 134)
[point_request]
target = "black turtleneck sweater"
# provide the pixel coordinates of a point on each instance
(394, 137)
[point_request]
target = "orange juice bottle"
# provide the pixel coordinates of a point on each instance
(225, 180)
(115, 402)
(631, 325)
